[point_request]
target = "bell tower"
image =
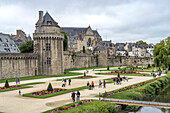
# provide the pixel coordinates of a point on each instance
(48, 44)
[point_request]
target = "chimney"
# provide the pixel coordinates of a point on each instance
(40, 17)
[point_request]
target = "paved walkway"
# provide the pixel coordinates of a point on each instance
(11, 102)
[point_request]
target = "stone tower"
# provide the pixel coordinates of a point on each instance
(48, 44)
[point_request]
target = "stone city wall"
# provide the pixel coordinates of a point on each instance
(18, 65)
(81, 60)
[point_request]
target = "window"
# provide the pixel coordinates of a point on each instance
(48, 46)
(48, 61)
(0, 40)
(104, 51)
(49, 22)
(19, 35)
(7, 50)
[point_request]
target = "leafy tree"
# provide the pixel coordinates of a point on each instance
(161, 53)
(65, 41)
(50, 88)
(7, 84)
(27, 47)
(84, 50)
(141, 42)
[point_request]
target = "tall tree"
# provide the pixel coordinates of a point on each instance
(65, 41)
(27, 47)
(141, 42)
(162, 53)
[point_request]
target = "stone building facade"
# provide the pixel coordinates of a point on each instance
(47, 58)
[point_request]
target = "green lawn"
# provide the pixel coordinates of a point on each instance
(39, 77)
(121, 74)
(55, 94)
(78, 78)
(24, 86)
(88, 68)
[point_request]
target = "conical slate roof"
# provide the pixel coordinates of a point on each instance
(47, 21)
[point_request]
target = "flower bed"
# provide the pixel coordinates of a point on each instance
(10, 87)
(45, 92)
(131, 87)
(60, 109)
(84, 76)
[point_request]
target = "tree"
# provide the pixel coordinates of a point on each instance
(27, 47)
(6, 84)
(141, 42)
(50, 88)
(65, 41)
(107, 67)
(84, 50)
(84, 74)
(161, 53)
(118, 75)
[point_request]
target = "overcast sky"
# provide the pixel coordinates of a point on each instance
(116, 20)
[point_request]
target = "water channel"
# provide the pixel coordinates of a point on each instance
(164, 96)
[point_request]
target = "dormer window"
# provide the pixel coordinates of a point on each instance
(49, 22)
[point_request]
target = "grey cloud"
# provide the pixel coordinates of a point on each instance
(117, 20)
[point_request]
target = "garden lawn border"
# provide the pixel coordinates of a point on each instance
(78, 78)
(41, 76)
(120, 74)
(24, 86)
(54, 94)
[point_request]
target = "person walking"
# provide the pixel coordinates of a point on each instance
(100, 84)
(69, 81)
(16, 81)
(114, 79)
(127, 78)
(104, 84)
(19, 92)
(92, 84)
(88, 85)
(73, 96)
(78, 95)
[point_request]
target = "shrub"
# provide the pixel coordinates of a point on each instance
(118, 75)
(149, 66)
(80, 102)
(60, 108)
(7, 84)
(50, 88)
(107, 67)
(153, 65)
(84, 74)
(134, 95)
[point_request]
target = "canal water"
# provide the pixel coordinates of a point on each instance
(165, 93)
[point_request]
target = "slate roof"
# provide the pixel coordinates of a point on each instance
(47, 21)
(77, 30)
(100, 47)
(7, 44)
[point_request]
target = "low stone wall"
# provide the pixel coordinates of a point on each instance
(18, 65)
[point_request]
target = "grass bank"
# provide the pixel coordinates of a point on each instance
(93, 107)
(148, 89)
